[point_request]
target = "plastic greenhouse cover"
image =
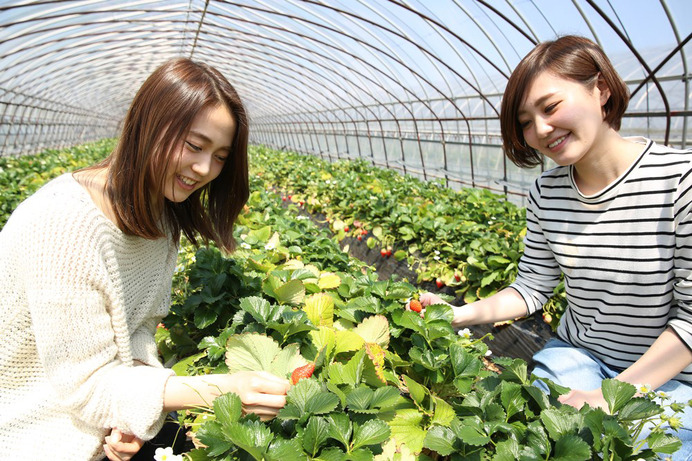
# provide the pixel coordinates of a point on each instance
(410, 85)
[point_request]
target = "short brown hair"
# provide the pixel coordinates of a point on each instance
(570, 57)
(157, 121)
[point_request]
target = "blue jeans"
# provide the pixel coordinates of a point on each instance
(577, 369)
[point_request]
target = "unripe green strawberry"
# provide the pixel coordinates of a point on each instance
(302, 372)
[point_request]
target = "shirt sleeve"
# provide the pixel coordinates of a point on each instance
(76, 314)
(539, 272)
(680, 318)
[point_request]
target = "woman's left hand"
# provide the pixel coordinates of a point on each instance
(121, 447)
(577, 399)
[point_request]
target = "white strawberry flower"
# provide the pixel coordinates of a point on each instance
(465, 333)
(166, 454)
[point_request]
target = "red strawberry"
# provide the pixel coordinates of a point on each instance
(360, 238)
(302, 372)
(457, 277)
(346, 229)
(415, 305)
(383, 252)
(439, 283)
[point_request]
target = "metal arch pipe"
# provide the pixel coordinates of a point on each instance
(641, 60)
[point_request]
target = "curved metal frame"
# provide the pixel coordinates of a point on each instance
(404, 84)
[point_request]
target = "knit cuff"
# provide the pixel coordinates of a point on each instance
(142, 406)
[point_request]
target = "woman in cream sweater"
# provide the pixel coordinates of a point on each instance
(86, 265)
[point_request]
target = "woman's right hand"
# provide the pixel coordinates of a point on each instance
(261, 392)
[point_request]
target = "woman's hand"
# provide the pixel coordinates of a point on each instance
(260, 392)
(577, 399)
(428, 299)
(121, 447)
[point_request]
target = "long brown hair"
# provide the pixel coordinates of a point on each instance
(570, 57)
(156, 124)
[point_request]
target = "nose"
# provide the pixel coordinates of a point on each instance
(543, 127)
(202, 164)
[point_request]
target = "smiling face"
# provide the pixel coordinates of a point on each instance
(202, 153)
(563, 119)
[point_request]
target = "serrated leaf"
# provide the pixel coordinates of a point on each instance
(639, 408)
(351, 373)
(253, 352)
(390, 452)
(407, 429)
(256, 352)
(328, 281)
(322, 403)
(507, 450)
(439, 312)
(340, 428)
(418, 393)
(315, 435)
(570, 447)
(291, 292)
(361, 454)
(441, 440)
(348, 341)
(258, 308)
(228, 408)
(285, 450)
(663, 443)
(212, 435)
(252, 436)
(512, 398)
(320, 309)
(444, 413)
(617, 393)
(360, 398)
(385, 397)
(471, 432)
(324, 339)
(374, 329)
(557, 422)
(376, 355)
(302, 392)
(372, 432)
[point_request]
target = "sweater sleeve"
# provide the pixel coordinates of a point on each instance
(681, 313)
(539, 272)
(73, 302)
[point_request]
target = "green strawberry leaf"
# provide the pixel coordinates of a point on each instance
(340, 428)
(315, 435)
(441, 440)
(407, 428)
(617, 393)
(285, 450)
(372, 432)
(570, 447)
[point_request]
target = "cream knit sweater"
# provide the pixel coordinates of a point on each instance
(79, 303)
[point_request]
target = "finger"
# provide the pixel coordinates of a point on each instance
(110, 454)
(277, 385)
(265, 400)
(263, 412)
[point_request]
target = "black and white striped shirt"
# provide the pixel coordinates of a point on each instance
(626, 254)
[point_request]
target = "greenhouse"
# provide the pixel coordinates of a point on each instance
(367, 262)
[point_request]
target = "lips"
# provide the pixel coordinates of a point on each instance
(187, 183)
(557, 142)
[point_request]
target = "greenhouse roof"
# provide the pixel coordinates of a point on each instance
(412, 85)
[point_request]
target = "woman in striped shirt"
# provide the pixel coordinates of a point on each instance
(615, 217)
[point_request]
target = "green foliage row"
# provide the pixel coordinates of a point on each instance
(388, 384)
(21, 176)
(469, 239)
